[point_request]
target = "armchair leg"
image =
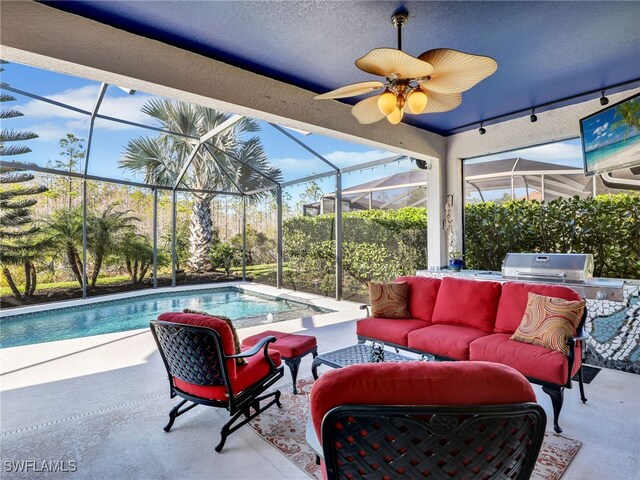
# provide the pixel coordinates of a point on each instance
(231, 426)
(557, 398)
(581, 384)
(176, 412)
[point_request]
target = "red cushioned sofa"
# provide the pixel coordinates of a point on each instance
(461, 319)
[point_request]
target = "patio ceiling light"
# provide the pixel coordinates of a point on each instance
(481, 130)
(533, 116)
(432, 82)
(603, 100)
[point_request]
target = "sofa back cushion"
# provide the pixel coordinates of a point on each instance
(220, 326)
(470, 303)
(513, 302)
(418, 383)
(423, 292)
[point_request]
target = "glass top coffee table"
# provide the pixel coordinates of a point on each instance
(352, 355)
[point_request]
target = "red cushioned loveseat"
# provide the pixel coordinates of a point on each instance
(460, 319)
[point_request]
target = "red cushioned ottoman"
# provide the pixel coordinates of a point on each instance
(292, 348)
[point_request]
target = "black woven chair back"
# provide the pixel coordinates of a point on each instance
(192, 354)
(398, 443)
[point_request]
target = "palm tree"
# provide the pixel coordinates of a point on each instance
(138, 257)
(105, 232)
(162, 158)
(629, 117)
(65, 230)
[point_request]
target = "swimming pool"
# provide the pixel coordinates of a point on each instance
(245, 308)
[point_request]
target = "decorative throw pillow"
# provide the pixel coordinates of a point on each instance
(549, 322)
(389, 300)
(236, 340)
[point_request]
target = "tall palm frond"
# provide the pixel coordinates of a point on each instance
(163, 157)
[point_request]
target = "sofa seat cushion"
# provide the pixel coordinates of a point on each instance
(467, 303)
(388, 329)
(535, 362)
(449, 341)
(256, 369)
(423, 292)
(513, 302)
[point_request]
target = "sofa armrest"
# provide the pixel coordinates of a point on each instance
(367, 308)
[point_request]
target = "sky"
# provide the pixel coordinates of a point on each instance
(52, 123)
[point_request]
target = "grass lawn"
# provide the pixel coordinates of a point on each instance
(74, 284)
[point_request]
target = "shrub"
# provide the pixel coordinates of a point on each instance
(608, 226)
(224, 255)
(377, 245)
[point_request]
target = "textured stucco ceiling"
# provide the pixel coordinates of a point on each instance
(546, 51)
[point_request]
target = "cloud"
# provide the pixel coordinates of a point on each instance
(553, 152)
(127, 108)
(307, 166)
(345, 159)
(601, 130)
(311, 166)
(54, 131)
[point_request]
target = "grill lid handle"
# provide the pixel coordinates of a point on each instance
(542, 258)
(541, 275)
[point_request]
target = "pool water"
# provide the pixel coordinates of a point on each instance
(244, 308)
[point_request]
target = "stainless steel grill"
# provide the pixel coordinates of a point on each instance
(573, 270)
(562, 267)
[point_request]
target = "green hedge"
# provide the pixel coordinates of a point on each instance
(608, 226)
(377, 245)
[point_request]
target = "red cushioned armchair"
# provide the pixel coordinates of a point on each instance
(198, 353)
(437, 420)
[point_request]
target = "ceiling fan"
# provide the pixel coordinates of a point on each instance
(432, 82)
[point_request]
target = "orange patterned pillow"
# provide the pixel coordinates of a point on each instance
(389, 300)
(549, 322)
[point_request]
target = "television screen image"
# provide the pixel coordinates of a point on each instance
(611, 137)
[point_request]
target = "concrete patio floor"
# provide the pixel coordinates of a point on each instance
(102, 402)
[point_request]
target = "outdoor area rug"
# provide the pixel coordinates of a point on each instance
(285, 430)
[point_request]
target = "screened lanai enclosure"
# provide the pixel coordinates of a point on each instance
(113, 189)
(157, 192)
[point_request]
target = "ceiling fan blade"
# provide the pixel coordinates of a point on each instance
(351, 90)
(367, 111)
(440, 102)
(455, 71)
(389, 62)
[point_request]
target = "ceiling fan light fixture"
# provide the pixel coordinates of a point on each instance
(417, 101)
(432, 82)
(395, 117)
(387, 102)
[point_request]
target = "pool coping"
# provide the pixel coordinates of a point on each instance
(245, 286)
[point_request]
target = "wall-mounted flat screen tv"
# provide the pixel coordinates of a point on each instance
(611, 137)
